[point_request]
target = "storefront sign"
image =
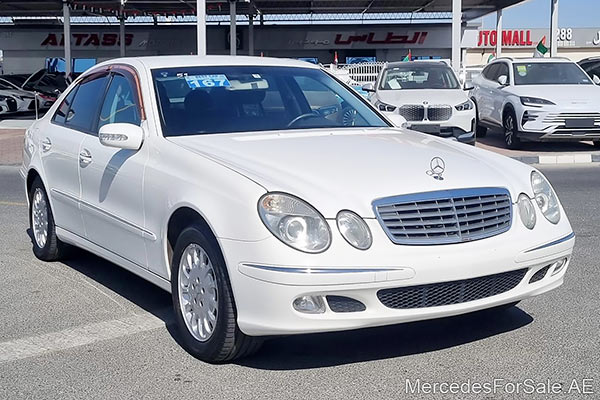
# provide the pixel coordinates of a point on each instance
(87, 39)
(374, 38)
(509, 38)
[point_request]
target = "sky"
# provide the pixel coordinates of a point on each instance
(536, 14)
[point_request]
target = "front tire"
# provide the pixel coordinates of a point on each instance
(511, 132)
(203, 300)
(46, 245)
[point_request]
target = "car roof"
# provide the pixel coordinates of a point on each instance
(534, 59)
(154, 62)
(417, 63)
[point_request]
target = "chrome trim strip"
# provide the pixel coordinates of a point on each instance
(144, 231)
(309, 270)
(554, 242)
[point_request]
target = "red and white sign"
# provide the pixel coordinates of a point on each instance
(517, 38)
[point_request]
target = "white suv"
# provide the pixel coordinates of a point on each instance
(428, 95)
(537, 99)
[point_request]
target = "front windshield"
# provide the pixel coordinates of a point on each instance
(418, 76)
(220, 99)
(549, 73)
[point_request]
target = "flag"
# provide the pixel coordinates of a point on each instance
(335, 58)
(541, 48)
(408, 56)
(491, 57)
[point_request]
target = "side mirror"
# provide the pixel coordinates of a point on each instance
(596, 79)
(368, 87)
(468, 87)
(503, 80)
(121, 136)
(396, 119)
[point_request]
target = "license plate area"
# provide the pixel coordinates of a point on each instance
(579, 123)
(432, 128)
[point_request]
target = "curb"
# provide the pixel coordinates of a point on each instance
(560, 159)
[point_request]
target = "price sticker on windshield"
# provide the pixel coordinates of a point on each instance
(207, 81)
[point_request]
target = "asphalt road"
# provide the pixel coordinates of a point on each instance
(88, 329)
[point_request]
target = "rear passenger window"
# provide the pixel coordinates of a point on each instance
(63, 109)
(83, 113)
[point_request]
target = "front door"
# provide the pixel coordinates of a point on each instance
(112, 179)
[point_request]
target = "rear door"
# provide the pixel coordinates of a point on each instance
(484, 91)
(60, 145)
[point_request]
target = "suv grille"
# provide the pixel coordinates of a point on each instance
(412, 112)
(439, 113)
(445, 216)
(455, 292)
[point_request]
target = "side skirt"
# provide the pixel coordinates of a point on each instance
(140, 271)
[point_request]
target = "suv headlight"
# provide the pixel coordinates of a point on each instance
(545, 197)
(385, 107)
(467, 105)
(354, 229)
(294, 222)
(536, 102)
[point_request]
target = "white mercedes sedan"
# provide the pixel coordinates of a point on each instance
(271, 199)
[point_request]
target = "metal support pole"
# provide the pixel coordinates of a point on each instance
(122, 34)
(232, 28)
(67, 36)
(554, 28)
(251, 29)
(201, 26)
(499, 33)
(456, 31)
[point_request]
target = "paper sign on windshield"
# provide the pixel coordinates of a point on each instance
(204, 81)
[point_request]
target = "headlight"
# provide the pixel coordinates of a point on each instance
(385, 107)
(536, 102)
(526, 211)
(294, 222)
(354, 229)
(545, 197)
(467, 105)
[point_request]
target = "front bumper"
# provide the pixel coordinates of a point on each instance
(554, 124)
(460, 127)
(265, 287)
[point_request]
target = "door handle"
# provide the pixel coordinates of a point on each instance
(85, 157)
(46, 145)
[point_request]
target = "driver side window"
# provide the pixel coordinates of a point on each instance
(119, 104)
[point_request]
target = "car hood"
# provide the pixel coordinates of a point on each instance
(407, 96)
(562, 95)
(14, 92)
(349, 168)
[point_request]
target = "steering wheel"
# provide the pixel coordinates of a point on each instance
(313, 114)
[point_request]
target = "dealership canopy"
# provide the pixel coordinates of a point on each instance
(470, 8)
(461, 10)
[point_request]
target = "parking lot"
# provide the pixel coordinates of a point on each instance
(86, 328)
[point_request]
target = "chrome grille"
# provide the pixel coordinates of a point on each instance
(454, 292)
(412, 112)
(445, 216)
(439, 113)
(560, 118)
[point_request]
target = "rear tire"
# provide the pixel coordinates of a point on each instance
(203, 300)
(46, 245)
(511, 132)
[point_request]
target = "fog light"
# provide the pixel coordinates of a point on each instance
(309, 305)
(558, 266)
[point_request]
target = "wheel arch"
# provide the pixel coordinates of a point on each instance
(180, 218)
